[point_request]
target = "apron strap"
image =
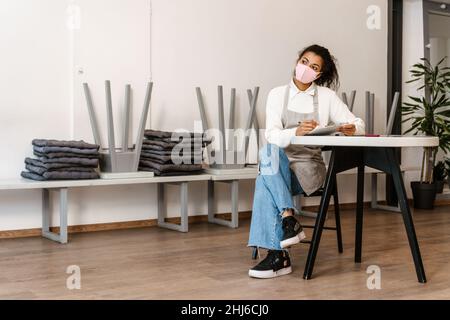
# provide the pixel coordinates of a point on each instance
(286, 97)
(316, 104)
(315, 113)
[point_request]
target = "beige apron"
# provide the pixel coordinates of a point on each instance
(306, 162)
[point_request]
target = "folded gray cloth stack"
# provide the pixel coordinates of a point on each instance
(160, 156)
(62, 160)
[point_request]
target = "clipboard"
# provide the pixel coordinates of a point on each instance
(323, 131)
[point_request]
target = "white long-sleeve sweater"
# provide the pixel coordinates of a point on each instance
(331, 109)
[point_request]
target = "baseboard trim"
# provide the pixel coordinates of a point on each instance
(26, 233)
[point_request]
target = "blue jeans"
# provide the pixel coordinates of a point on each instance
(275, 185)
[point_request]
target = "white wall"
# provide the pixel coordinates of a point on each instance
(34, 94)
(413, 44)
(113, 43)
(440, 46)
(413, 50)
(439, 39)
(193, 43)
(251, 43)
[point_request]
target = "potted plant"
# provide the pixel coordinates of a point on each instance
(439, 175)
(430, 116)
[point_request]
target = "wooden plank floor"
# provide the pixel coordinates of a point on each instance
(211, 262)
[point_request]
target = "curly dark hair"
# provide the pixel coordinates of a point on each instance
(330, 75)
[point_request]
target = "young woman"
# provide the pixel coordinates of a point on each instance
(285, 170)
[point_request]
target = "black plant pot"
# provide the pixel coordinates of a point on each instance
(440, 186)
(424, 195)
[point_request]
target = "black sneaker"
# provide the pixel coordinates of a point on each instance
(277, 263)
(292, 232)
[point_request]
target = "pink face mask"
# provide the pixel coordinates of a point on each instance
(305, 74)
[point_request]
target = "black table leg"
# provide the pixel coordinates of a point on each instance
(406, 213)
(255, 253)
(359, 214)
(320, 220)
(337, 218)
(379, 158)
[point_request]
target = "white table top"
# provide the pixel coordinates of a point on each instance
(24, 184)
(361, 141)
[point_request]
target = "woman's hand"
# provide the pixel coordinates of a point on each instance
(306, 127)
(347, 129)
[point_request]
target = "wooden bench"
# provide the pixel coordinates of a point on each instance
(63, 187)
(233, 177)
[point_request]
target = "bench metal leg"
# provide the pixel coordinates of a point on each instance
(183, 227)
(210, 201)
(235, 204)
(46, 233)
(234, 223)
(374, 198)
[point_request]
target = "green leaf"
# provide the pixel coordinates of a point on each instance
(444, 107)
(418, 100)
(444, 75)
(413, 80)
(426, 60)
(439, 63)
(420, 65)
(411, 104)
(444, 117)
(421, 87)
